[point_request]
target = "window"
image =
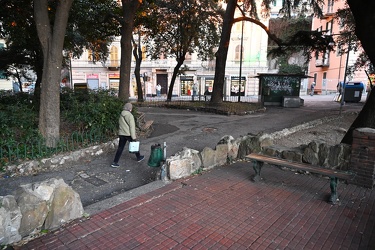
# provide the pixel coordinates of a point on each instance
(324, 80)
(92, 57)
(114, 57)
(143, 52)
(330, 6)
(237, 56)
(238, 26)
(329, 27)
(316, 53)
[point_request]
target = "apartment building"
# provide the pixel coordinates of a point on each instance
(328, 69)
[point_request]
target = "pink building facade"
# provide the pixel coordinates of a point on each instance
(328, 69)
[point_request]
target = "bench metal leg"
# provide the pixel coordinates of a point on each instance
(257, 165)
(333, 185)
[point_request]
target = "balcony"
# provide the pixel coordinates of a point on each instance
(329, 11)
(322, 63)
(112, 65)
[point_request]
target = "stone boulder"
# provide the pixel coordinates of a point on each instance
(183, 163)
(293, 154)
(339, 156)
(208, 158)
(233, 145)
(34, 212)
(310, 154)
(274, 150)
(214, 157)
(65, 206)
(36, 206)
(10, 220)
(253, 144)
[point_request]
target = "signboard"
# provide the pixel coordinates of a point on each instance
(92, 76)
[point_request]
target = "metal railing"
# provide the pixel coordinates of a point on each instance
(197, 98)
(13, 152)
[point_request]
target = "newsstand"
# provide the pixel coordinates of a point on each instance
(280, 89)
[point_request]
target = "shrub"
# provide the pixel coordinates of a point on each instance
(86, 117)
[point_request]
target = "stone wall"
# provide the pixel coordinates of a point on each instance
(37, 206)
(57, 161)
(228, 149)
(316, 153)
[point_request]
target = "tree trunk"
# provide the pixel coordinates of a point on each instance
(221, 54)
(129, 8)
(363, 12)
(137, 52)
(39, 75)
(52, 42)
(174, 76)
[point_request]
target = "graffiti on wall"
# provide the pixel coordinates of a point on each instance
(280, 84)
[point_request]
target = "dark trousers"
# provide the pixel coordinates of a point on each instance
(121, 146)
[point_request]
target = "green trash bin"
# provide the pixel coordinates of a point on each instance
(156, 156)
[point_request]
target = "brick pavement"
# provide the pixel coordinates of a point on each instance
(223, 209)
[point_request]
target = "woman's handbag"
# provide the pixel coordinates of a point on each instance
(133, 146)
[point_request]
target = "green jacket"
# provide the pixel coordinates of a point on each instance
(127, 124)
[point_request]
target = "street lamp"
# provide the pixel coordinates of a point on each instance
(346, 72)
(71, 71)
(240, 79)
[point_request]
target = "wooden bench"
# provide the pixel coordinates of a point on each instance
(144, 127)
(147, 125)
(258, 161)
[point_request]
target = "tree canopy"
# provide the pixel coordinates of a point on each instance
(363, 13)
(177, 28)
(17, 27)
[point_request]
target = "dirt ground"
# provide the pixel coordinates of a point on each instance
(330, 132)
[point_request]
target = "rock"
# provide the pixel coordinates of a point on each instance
(184, 163)
(208, 158)
(221, 155)
(292, 155)
(233, 146)
(274, 150)
(43, 205)
(65, 206)
(10, 220)
(179, 168)
(310, 156)
(253, 143)
(34, 211)
(339, 156)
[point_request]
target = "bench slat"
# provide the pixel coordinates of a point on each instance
(147, 125)
(301, 166)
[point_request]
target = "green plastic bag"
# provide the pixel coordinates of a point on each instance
(156, 156)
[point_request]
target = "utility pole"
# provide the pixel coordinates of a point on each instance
(240, 78)
(346, 72)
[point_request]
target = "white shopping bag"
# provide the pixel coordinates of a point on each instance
(133, 146)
